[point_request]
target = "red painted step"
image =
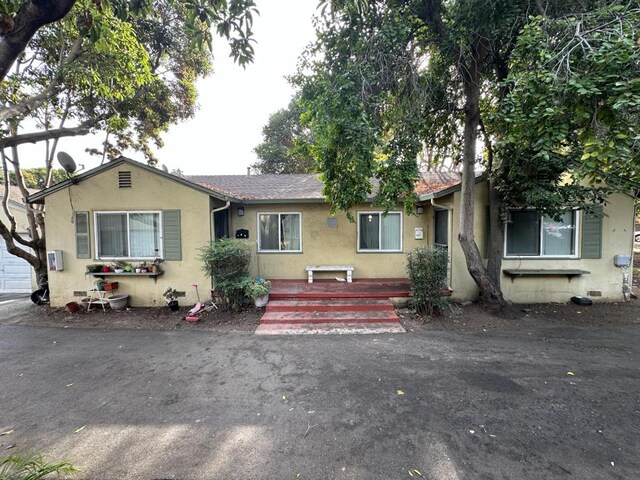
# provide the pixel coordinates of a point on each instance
(344, 294)
(328, 328)
(306, 317)
(329, 305)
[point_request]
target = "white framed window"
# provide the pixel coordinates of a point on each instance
(379, 233)
(121, 234)
(279, 232)
(530, 233)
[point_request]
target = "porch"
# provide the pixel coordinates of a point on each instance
(328, 306)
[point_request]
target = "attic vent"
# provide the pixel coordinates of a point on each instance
(124, 179)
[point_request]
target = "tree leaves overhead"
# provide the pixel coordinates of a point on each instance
(573, 106)
(285, 145)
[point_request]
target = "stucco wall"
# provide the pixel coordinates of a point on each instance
(149, 192)
(322, 245)
(604, 277)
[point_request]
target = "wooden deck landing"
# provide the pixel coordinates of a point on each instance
(327, 306)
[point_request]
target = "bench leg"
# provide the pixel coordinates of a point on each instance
(349, 276)
(310, 276)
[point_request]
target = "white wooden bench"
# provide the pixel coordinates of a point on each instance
(329, 268)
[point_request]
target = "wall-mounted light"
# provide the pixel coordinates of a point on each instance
(419, 209)
(370, 217)
(240, 211)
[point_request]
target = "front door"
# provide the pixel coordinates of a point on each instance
(221, 224)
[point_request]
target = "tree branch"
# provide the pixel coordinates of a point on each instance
(24, 107)
(33, 15)
(83, 129)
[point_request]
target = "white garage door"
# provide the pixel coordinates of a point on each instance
(15, 273)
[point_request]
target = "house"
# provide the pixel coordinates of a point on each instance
(16, 274)
(128, 210)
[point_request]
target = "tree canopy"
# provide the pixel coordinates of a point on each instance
(386, 79)
(285, 145)
(124, 68)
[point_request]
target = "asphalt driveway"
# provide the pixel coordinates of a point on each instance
(189, 405)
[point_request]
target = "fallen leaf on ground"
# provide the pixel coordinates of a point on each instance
(80, 429)
(417, 472)
(472, 432)
(571, 374)
(6, 433)
(400, 392)
(70, 384)
(10, 446)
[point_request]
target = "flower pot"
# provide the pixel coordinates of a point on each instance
(262, 301)
(138, 270)
(110, 286)
(72, 307)
(106, 269)
(100, 287)
(173, 305)
(118, 302)
(119, 270)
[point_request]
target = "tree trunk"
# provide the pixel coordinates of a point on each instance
(490, 295)
(496, 235)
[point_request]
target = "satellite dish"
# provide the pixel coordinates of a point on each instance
(67, 162)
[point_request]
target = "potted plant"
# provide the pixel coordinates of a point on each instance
(258, 291)
(119, 266)
(154, 267)
(142, 268)
(94, 268)
(99, 284)
(171, 297)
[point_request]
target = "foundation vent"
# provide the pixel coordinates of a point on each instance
(79, 293)
(594, 293)
(124, 179)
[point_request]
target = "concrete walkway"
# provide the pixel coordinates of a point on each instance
(199, 405)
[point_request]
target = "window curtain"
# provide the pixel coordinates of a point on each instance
(290, 231)
(390, 231)
(112, 235)
(269, 232)
(369, 231)
(558, 237)
(144, 231)
(523, 233)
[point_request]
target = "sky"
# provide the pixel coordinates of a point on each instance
(235, 103)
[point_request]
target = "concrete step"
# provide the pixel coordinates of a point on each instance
(314, 317)
(329, 328)
(284, 295)
(329, 305)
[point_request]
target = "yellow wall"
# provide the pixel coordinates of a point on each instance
(322, 245)
(617, 229)
(149, 192)
(617, 238)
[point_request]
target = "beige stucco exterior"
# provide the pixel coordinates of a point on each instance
(322, 244)
(148, 192)
(604, 278)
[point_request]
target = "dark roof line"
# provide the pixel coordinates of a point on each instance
(39, 196)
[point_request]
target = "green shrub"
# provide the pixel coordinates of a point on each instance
(32, 467)
(227, 262)
(427, 269)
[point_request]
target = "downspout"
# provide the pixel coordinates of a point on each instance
(213, 212)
